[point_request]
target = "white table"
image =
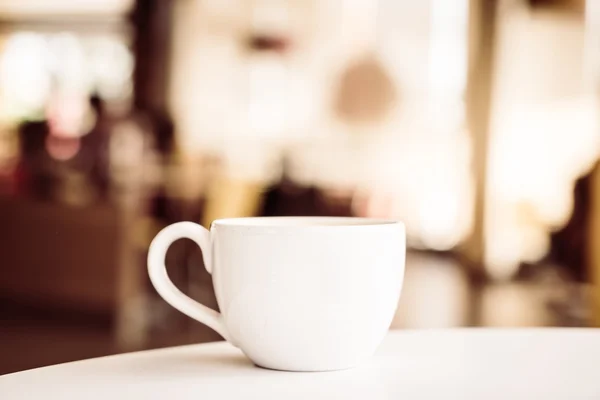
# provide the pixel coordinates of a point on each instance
(427, 364)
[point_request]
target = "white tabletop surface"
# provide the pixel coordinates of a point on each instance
(436, 364)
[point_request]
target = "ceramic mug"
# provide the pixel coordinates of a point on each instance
(295, 293)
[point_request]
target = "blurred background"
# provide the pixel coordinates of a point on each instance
(476, 122)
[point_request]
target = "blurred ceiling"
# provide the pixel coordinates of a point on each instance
(25, 8)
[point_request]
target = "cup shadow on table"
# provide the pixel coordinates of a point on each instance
(194, 366)
(186, 363)
(226, 361)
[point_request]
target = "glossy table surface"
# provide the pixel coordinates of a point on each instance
(421, 364)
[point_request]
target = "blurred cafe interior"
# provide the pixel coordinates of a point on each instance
(476, 122)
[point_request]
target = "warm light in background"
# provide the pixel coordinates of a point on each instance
(545, 134)
(252, 108)
(414, 162)
(24, 76)
(34, 66)
(423, 167)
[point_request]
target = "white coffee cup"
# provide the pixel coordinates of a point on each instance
(295, 293)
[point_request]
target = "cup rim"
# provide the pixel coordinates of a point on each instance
(304, 222)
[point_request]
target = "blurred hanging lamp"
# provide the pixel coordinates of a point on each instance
(366, 92)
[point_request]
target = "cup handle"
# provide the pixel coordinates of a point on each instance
(163, 285)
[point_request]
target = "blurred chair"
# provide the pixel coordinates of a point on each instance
(79, 261)
(58, 255)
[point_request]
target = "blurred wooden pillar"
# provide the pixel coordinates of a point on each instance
(594, 243)
(591, 11)
(482, 40)
(153, 27)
